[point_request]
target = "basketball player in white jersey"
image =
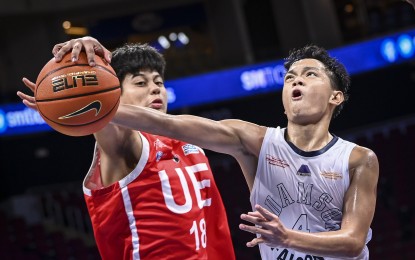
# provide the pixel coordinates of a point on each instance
(313, 194)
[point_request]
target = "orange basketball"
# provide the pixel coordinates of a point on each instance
(75, 98)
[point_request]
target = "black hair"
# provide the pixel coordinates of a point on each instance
(133, 57)
(339, 77)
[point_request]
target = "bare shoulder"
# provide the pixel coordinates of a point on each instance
(363, 160)
(251, 135)
(117, 142)
(362, 155)
(120, 151)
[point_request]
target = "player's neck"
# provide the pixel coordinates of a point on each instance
(308, 138)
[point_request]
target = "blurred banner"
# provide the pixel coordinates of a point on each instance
(239, 82)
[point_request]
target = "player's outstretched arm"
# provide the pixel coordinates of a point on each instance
(234, 137)
(358, 211)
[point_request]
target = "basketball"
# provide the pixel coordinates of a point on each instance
(76, 99)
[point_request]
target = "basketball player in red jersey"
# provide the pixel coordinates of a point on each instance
(148, 196)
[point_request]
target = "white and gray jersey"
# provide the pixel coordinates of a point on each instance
(305, 189)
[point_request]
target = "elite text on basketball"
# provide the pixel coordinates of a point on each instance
(73, 81)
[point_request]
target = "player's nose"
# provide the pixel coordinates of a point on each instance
(298, 81)
(155, 89)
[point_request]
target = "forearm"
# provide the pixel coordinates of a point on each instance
(348, 241)
(334, 243)
(140, 118)
(203, 132)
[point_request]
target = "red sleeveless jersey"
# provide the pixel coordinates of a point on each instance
(168, 207)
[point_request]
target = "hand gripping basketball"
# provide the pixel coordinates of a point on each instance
(75, 98)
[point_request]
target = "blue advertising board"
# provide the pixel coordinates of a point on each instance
(239, 82)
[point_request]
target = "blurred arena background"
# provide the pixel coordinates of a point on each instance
(43, 215)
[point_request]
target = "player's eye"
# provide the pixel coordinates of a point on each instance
(289, 77)
(140, 83)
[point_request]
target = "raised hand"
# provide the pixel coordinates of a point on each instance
(268, 225)
(89, 44)
(28, 100)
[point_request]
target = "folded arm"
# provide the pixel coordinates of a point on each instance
(358, 211)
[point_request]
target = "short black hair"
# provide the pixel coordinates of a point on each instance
(133, 57)
(339, 77)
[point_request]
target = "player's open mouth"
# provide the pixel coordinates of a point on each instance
(296, 95)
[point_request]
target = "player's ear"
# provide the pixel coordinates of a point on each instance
(337, 97)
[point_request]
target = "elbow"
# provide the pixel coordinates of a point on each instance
(355, 252)
(354, 248)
